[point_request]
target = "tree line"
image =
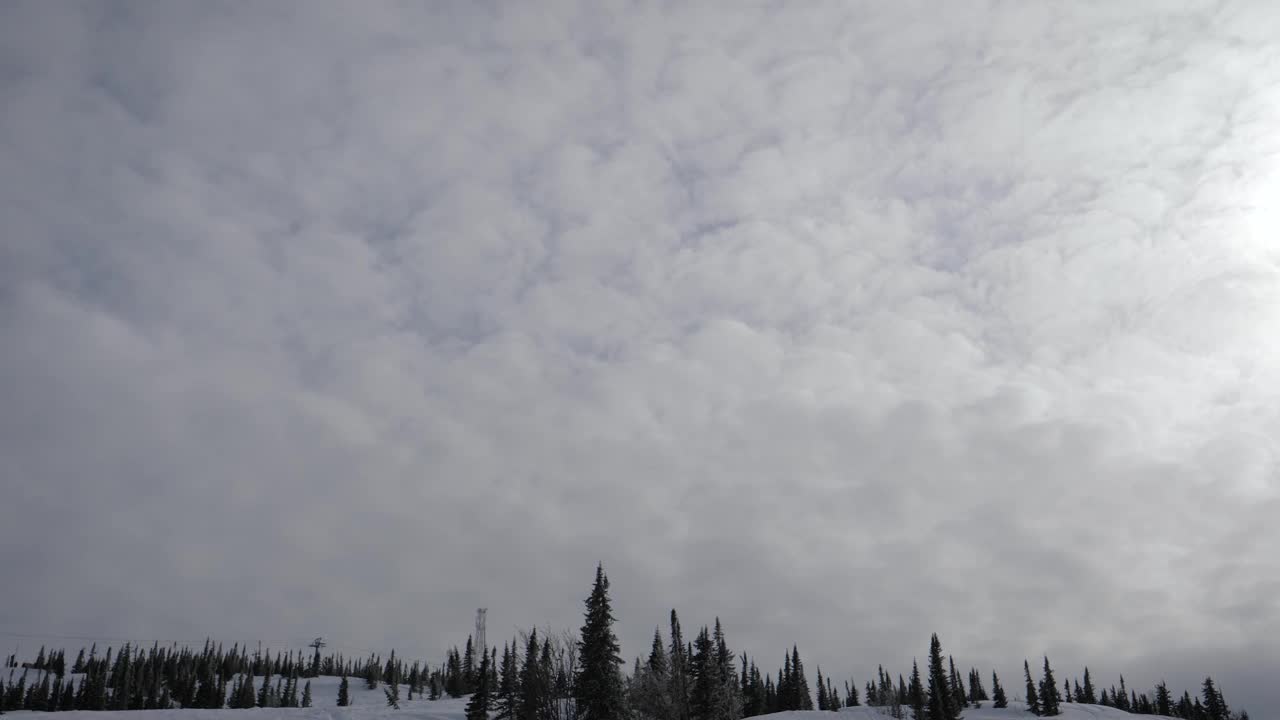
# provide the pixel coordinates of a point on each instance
(558, 676)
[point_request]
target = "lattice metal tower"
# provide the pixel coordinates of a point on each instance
(480, 643)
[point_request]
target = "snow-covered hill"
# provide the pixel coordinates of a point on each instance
(365, 705)
(371, 705)
(1015, 711)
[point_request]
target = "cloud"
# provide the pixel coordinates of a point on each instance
(846, 323)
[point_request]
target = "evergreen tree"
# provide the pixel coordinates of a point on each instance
(247, 695)
(372, 673)
(915, 693)
(1033, 701)
(977, 693)
(679, 673)
(68, 696)
(851, 694)
(469, 668)
(1164, 704)
(650, 695)
(803, 698)
(344, 692)
(1090, 696)
(40, 701)
(702, 696)
(1049, 698)
(822, 691)
(998, 698)
(1215, 707)
(478, 705)
(264, 695)
(941, 705)
(507, 695)
(533, 691)
(727, 703)
(598, 690)
(957, 685)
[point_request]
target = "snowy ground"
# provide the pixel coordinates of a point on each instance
(365, 705)
(1015, 711)
(372, 705)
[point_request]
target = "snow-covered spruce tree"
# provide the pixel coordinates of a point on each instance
(651, 684)
(1089, 695)
(714, 695)
(941, 706)
(1049, 698)
(998, 698)
(1033, 700)
(976, 692)
(264, 694)
(803, 698)
(534, 688)
(598, 688)
(247, 694)
(507, 693)
(1121, 698)
(728, 704)
(957, 685)
(344, 692)
(306, 692)
(469, 667)
(372, 673)
(1215, 706)
(702, 695)
(478, 705)
(915, 693)
(680, 682)
(1164, 701)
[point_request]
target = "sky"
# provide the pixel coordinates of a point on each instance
(845, 322)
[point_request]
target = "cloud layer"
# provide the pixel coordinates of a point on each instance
(844, 322)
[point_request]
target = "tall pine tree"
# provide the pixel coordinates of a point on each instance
(1033, 699)
(1089, 695)
(478, 705)
(599, 692)
(344, 692)
(1049, 698)
(941, 704)
(915, 693)
(998, 698)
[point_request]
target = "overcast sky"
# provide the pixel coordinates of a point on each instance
(847, 322)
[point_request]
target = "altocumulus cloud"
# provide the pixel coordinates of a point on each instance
(847, 322)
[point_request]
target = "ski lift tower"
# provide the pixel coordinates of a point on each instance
(480, 643)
